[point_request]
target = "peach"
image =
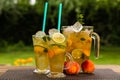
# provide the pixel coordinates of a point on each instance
(88, 66)
(72, 67)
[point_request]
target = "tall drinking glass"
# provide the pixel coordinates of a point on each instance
(40, 43)
(56, 54)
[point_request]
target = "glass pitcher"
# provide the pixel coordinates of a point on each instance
(79, 41)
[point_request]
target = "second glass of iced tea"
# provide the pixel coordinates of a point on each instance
(56, 54)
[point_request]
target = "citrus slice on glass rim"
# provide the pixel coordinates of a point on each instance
(58, 37)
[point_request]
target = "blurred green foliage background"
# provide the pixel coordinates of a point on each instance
(19, 19)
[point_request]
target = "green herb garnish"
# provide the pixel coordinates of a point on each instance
(82, 39)
(60, 46)
(46, 38)
(45, 50)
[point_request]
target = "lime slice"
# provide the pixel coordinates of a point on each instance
(77, 53)
(58, 37)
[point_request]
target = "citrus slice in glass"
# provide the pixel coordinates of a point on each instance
(39, 49)
(51, 53)
(58, 37)
(77, 53)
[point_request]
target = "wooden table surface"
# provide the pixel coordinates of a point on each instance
(3, 69)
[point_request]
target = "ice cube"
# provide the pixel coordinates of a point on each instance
(68, 29)
(40, 34)
(77, 27)
(52, 31)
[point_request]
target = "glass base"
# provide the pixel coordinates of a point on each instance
(56, 75)
(46, 71)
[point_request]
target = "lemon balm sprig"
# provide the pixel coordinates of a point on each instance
(80, 18)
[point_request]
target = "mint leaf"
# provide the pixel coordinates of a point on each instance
(82, 39)
(45, 50)
(44, 38)
(48, 38)
(60, 46)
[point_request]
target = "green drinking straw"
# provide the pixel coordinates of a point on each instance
(59, 16)
(45, 15)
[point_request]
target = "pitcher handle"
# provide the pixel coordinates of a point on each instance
(69, 56)
(71, 60)
(96, 39)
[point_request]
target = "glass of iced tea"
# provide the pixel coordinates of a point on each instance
(56, 54)
(40, 43)
(79, 41)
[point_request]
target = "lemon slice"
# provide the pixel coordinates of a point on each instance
(58, 37)
(77, 53)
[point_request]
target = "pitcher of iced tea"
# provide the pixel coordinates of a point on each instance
(79, 41)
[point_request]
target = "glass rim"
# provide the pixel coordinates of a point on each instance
(88, 26)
